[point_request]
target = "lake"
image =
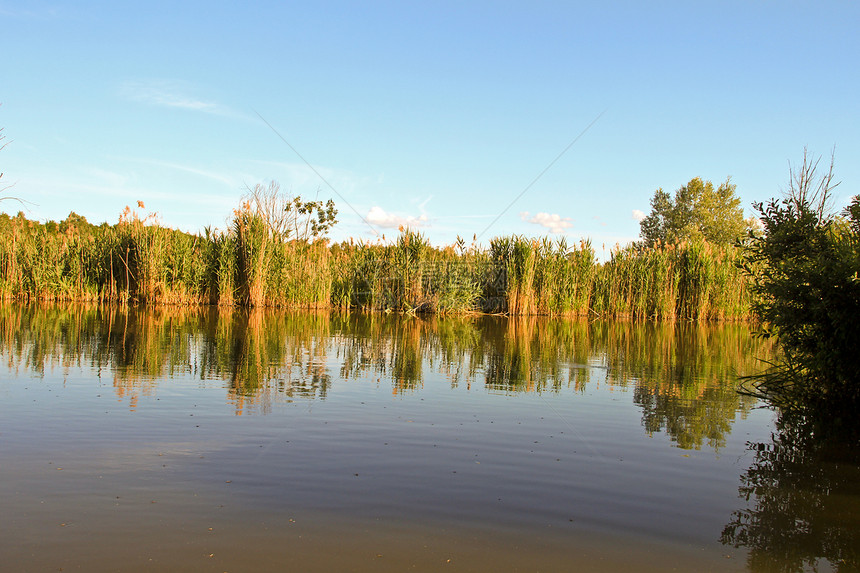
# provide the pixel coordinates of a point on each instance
(177, 439)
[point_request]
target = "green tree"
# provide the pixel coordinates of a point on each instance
(289, 217)
(852, 213)
(804, 272)
(75, 222)
(697, 211)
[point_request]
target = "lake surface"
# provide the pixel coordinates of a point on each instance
(180, 440)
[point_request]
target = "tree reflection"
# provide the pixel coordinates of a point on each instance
(682, 377)
(803, 503)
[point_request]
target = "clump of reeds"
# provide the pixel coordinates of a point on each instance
(407, 276)
(543, 277)
(138, 261)
(688, 281)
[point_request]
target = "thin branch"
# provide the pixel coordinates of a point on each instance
(807, 191)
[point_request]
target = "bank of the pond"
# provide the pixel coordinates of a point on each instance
(139, 262)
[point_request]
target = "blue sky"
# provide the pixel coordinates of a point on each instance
(436, 114)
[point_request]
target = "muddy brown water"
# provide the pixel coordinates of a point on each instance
(178, 440)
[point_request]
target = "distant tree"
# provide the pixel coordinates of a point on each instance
(697, 211)
(852, 213)
(75, 222)
(2, 187)
(290, 217)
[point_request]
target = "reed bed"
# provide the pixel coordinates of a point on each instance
(138, 261)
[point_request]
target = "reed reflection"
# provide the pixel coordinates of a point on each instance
(682, 377)
(264, 360)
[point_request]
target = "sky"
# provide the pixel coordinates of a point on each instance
(471, 119)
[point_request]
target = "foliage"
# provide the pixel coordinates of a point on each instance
(804, 275)
(852, 213)
(251, 264)
(290, 217)
(409, 275)
(689, 281)
(697, 212)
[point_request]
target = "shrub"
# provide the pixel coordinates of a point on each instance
(804, 276)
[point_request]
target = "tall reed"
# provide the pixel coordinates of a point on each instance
(689, 281)
(138, 261)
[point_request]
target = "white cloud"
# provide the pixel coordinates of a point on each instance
(174, 94)
(110, 177)
(219, 177)
(379, 217)
(554, 222)
(638, 215)
(31, 12)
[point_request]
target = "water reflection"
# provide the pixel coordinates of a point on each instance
(800, 498)
(684, 376)
(802, 504)
(681, 376)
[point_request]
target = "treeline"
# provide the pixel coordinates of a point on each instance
(138, 261)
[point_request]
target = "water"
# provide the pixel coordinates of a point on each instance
(185, 440)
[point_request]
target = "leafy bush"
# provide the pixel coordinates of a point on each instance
(804, 270)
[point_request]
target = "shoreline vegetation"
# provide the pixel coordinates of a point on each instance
(138, 261)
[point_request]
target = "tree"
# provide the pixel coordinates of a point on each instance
(4, 188)
(804, 273)
(698, 211)
(75, 222)
(852, 213)
(290, 217)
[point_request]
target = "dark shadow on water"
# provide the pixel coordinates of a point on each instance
(802, 499)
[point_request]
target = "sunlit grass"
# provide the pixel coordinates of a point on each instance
(138, 261)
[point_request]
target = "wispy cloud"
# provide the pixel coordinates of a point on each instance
(554, 222)
(600, 221)
(379, 217)
(109, 177)
(300, 177)
(638, 215)
(231, 181)
(30, 12)
(173, 94)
